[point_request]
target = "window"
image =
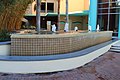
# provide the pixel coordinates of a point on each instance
(43, 5)
(35, 7)
(108, 12)
(50, 7)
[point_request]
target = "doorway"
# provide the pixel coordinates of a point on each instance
(108, 12)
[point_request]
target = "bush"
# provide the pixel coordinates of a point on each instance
(4, 35)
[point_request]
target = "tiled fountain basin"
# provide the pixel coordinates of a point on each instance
(53, 44)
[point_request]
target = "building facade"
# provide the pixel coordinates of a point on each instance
(106, 14)
(78, 14)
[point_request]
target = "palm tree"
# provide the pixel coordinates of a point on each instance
(67, 16)
(38, 10)
(11, 13)
(66, 28)
(58, 14)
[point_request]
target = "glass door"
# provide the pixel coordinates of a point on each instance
(108, 12)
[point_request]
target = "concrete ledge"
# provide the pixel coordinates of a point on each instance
(62, 35)
(51, 65)
(5, 43)
(5, 48)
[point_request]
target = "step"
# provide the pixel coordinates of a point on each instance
(117, 48)
(116, 45)
(113, 50)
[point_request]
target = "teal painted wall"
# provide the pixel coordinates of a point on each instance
(93, 14)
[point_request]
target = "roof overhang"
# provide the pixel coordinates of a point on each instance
(77, 13)
(54, 14)
(80, 13)
(30, 15)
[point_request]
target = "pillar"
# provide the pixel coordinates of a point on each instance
(93, 15)
(119, 26)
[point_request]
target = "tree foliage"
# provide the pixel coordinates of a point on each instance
(11, 13)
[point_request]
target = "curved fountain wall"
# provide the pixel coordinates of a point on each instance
(41, 45)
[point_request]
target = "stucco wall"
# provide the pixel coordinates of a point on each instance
(5, 50)
(47, 1)
(75, 5)
(86, 4)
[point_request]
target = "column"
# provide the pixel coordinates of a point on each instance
(38, 18)
(119, 26)
(93, 15)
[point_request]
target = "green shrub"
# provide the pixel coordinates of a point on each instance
(4, 35)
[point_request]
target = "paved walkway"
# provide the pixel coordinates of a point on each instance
(106, 67)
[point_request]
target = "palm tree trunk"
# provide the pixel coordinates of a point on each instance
(38, 10)
(58, 14)
(66, 28)
(67, 16)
